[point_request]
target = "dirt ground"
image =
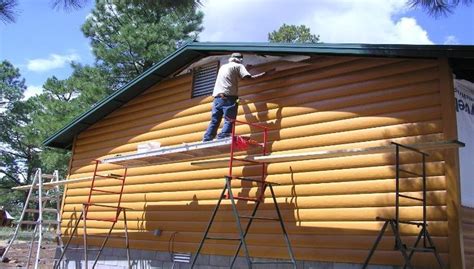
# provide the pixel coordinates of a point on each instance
(18, 255)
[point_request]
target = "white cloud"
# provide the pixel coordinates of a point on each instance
(32, 91)
(451, 40)
(336, 21)
(54, 61)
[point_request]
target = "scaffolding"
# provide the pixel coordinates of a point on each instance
(85, 212)
(238, 143)
(194, 152)
(394, 223)
(229, 146)
(37, 201)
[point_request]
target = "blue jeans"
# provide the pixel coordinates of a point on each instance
(226, 108)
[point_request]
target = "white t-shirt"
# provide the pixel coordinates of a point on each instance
(227, 81)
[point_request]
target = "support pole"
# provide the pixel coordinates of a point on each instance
(84, 218)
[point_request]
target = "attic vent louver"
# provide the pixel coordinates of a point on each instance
(204, 78)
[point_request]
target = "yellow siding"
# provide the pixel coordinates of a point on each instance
(328, 204)
(468, 231)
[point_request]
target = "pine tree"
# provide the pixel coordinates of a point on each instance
(293, 34)
(128, 38)
(8, 10)
(18, 154)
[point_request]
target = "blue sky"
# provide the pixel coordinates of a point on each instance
(43, 41)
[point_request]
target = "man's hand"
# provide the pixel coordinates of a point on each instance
(269, 72)
(258, 75)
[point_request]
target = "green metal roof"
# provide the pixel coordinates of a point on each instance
(461, 59)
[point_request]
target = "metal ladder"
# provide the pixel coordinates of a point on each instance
(40, 202)
(84, 217)
(424, 236)
(240, 143)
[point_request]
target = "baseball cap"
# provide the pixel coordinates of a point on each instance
(237, 55)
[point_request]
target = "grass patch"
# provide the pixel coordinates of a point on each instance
(25, 235)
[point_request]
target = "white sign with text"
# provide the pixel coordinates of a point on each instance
(464, 94)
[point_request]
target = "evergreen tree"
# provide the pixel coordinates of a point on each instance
(293, 34)
(13, 116)
(7, 10)
(12, 86)
(75, 4)
(437, 8)
(62, 101)
(25, 124)
(129, 37)
(18, 155)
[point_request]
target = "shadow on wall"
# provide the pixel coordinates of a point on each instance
(319, 240)
(412, 185)
(346, 115)
(312, 239)
(325, 84)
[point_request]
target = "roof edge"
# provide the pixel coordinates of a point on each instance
(63, 138)
(49, 142)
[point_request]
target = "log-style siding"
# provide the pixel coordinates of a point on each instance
(329, 205)
(468, 231)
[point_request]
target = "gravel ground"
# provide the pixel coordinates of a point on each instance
(18, 254)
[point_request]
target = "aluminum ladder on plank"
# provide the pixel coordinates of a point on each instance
(84, 217)
(394, 223)
(238, 143)
(37, 200)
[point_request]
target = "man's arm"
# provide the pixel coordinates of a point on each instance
(250, 76)
(255, 76)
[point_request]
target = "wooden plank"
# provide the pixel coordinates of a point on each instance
(338, 153)
(62, 182)
(370, 105)
(332, 198)
(160, 119)
(468, 231)
(358, 151)
(374, 101)
(161, 155)
(446, 88)
(302, 240)
(437, 228)
(468, 214)
(387, 66)
(57, 183)
(385, 257)
(172, 153)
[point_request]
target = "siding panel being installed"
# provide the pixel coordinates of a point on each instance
(329, 205)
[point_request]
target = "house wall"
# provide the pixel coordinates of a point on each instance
(468, 232)
(329, 205)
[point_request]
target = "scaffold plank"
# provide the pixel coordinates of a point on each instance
(324, 154)
(206, 149)
(173, 153)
